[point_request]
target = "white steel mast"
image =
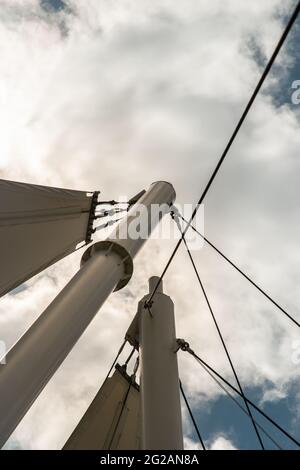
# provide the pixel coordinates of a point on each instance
(160, 395)
(106, 266)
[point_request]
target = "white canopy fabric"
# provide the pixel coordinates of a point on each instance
(39, 225)
(106, 425)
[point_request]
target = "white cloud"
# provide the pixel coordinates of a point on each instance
(218, 443)
(273, 395)
(145, 90)
(222, 443)
(189, 444)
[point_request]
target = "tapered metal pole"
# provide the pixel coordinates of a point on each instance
(106, 266)
(161, 411)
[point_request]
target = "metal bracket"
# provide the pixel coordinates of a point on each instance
(90, 224)
(125, 258)
(183, 345)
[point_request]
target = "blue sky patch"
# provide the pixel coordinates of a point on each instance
(224, 417)
(53, 5)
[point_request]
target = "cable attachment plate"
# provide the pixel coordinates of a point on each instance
(183, 345)
(148, 305)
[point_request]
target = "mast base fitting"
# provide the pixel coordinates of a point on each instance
(107, 247)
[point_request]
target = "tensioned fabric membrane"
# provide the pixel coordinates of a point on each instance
(108, 424)
(39, 225)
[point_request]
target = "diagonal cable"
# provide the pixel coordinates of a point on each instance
(124, 402)
(220, 335)
(271, 420)
(234, 135)
(116, 358)
(230, 395)
(106, 224)
(240, 271)
(123, 405)
(192, 416)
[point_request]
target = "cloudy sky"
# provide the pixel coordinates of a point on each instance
(112, 95)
